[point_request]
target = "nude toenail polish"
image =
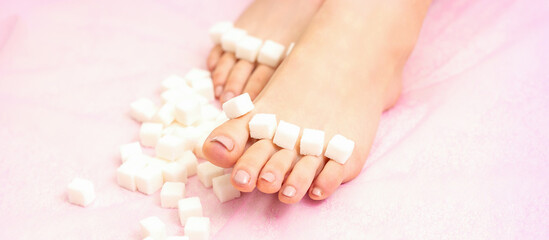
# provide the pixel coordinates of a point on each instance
(218, 90)
(227, 96)
(225, 141)
(289, 191)
(317, 192)
(269, 177)
(242, 177)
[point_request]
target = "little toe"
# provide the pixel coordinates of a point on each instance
(300, 179)
(275, 170)
(236, 80)
(222, 70)
(258, 80)
(247, 168)
(329, 179)
(214, 56)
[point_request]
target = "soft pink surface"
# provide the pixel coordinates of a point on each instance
(464, 154)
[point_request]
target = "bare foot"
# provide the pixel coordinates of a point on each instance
(343, 73)
(282, 21)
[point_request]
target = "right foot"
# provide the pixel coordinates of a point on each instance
(282, 21)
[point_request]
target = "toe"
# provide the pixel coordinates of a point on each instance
(221, 71)
(237, 79)
(300, 179)
(327, 181)
(274, 172)
(214, 56)
(247, 168)
(226, 143)
(258, 80)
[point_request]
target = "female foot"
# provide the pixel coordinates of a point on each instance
(344, 72)
(282, 21)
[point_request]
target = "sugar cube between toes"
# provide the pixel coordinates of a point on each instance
(171, 193)
(149, 179)
(339, 149)
(130, 149)
(223, 189)
(81, 192)
(286, 135)
(248, 48)
(270, 53)
(206, 171)
(170, 148)
(262, 126)
(231, 38)
(149, 133)
(238, 106)
(312, 142)
(153, 227)
(218, 29)
(198, 228)
(189, 207)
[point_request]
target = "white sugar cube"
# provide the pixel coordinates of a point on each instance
(248, 48)
(177, 238)
(231, 38)
(198, 228)
(153, 227)
(210, 112)
(206, 171)
(187, 111)
(171, 193)
(125, 174)
(262, 126)
(312, 142)
(170, 148)
(270, 53)
(149, 179)
(189, 207)
(175, 172)
(238, 106)
(218, 29)
(190, 162)
(166, 114)
(223, 189)
(173, 82)
(290, 48)
(127, 150)
(175, 95)
(81, 192)
(157, 162)
(339, 149)
(203, 87)
(197, 73)
(286, 135)
(142, 110)
(150, 133)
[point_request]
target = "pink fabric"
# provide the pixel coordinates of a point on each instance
(464, 154)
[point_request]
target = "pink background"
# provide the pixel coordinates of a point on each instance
(464, 154)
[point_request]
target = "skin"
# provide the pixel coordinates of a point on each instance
(344, 71)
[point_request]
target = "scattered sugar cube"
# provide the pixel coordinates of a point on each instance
(166, 114)
(190, 161)
(175, 172)
(173, 82)
(127, 150)
(339, 149)
(270, 53)
(197, 73)
(149, 179)
(189, 207)
(286, 135)
(290, 48)
(206, 171)
(177, 238)
(81, 192)
(198, 228)
(125, 174)
(210, 112)
(153, 227)
(150, 133)
(223, 189)
(170, 148)
(312, 142)
(187, 111)
(171, 193)
(248, 48)
(262, 126)
(203, 87)
(176, 95)
(231, 38)
(157, 162)
(142, 110)
(218, 29)
(238, 106)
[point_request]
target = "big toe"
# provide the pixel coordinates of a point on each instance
(226, 143)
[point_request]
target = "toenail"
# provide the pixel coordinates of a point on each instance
(289, 191)
(218, 90)
(269, 177)
(227, 96)
(225, 141)
(316, 191)
(242, 177)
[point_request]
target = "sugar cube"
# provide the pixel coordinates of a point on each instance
(157, 162)
(189, 207)
(81, 192)
(270, 53)
(238, 106)
(203, 87)
(206, 171)
(166, 114)
(177, 238)
(130, 149)
(262, 126)
(170, 148)
(175, 95)
(290, 48)
(142, 110)
(339, 149)
(171, 193)
(218, 29)
(312, 142)
(175, 172)
(286, 135)
(198, 228)
(150, 133)
(187, 111)
(231, 38)
(210, 112)
(197, 73)
(173, 82)
(153, 227)
(190, 162)
(125, 174)
(223, 189)
(149, 179)
(248, 48)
